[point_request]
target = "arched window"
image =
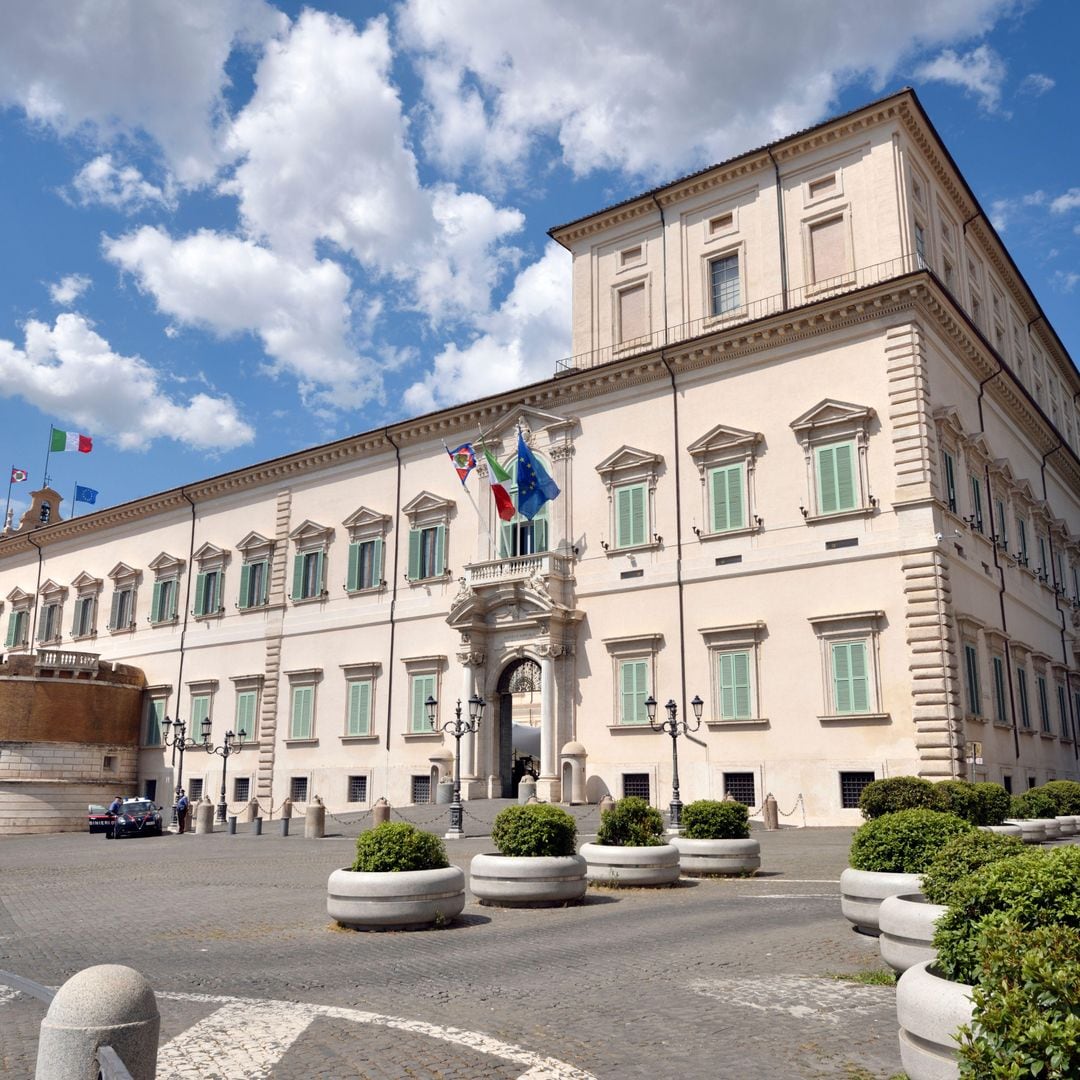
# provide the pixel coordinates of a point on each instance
(519, 536)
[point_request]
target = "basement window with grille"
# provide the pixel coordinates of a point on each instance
(298, 787)
(358, 789)
(851, 788)
(421, 789)
(636, 784)
(741, 787)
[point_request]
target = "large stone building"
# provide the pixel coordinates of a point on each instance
(817, 453)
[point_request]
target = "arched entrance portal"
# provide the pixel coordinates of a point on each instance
(518, 751)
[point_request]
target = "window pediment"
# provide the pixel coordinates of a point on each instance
(723, 443)
(1001, 470)
(309, 532)
(532, 421)
(122, 572)
(426, 507)
(978, 448)
(87, 582)
(366, 522)
(52, 590)
(629, 463)
(210, 554)
(18, 596)
(833, 419)
(255, 543)
(166, 564)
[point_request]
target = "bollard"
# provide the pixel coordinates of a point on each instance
(526, 791)
(284, 826)
(106, 1005)
(204, 816)
(286, 808)
(252, 809)
(770, 813)
(257, 822)
(315, 820)
(232, 824)
(380, 812)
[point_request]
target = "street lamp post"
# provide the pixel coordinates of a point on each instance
(176, 739)
(230, 746)
(674, 727)
(457, 727)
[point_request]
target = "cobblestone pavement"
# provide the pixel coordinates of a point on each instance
(715, 978)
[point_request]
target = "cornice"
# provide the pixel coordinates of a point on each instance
(873, 116)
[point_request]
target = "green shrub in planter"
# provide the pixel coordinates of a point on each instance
(707, 819)
(962, 855)
(1066, 795)
(961, 799)
(904, 842)
(534, 829)
(994, 803)
(396, 846)
(1033, 804)
(1041, 887)
(900, 793)
(1026, 1003)
(631, 822)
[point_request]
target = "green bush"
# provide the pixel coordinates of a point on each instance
(535, 829)
(1040, 887)
(1026, 1003)
(962, 855)
(900, 793)
(631, 822)
(397, 845)
(904, 842)
(1033, 804)
(961, 799)
(707, 819)
(1066, 795)
(994, 803)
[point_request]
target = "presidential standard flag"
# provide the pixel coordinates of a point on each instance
(534, 485)
(85, 494)
(18, 475)
(463, 460)
(69, 440)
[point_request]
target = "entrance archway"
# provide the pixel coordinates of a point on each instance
(518, 751)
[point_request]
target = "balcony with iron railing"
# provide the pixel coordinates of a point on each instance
(748, 312)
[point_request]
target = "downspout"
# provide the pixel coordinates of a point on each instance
(393, 590)
(184, 628)
(663, 262)
(37, 588)
(1001, 571)
(781, 229)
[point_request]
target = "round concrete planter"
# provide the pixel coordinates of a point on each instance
(395, 901)
(907, 930)
(929, 1011)
(717, 858)
(537, 881)
(861, 893)
(1066, 824)
(1051, 827)
(1032, 830)
(631, 867)
(1002, 830)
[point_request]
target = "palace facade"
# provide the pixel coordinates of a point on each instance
(817, 453)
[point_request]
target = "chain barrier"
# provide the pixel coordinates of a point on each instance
(353, 820)
(437, 816)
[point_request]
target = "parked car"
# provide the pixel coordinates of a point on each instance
(98, 818)
(137, 817)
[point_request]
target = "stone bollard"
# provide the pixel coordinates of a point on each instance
(315, 820)
(257, 822)
(494, 787)
(285, 826)
(252, 810)
(286, 808)
(106, 1005)
(606, 803)
(232, 824)
(380, 812)
(770, 813)
(204, 816)
(526, 791)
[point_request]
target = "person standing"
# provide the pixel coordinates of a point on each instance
(182, 808)
(114, 810)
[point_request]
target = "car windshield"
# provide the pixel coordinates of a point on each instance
(138, 806)
(95, 809)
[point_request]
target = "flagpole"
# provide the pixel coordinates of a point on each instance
(11, 477)
(45, 480)
(74, 504)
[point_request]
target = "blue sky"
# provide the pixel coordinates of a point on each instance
(233, 228)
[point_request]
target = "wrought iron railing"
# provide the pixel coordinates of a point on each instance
(748, 312)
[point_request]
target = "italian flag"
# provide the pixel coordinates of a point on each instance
(69, 440)
(499, 478)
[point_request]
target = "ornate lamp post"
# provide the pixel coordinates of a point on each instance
(176, 739)
(457, 727)
(231, 746)
(674, 727)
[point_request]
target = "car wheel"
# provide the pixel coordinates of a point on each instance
(108, 835)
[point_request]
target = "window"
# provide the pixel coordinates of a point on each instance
(365, 565)
(637, 785)
(1076, 708)
(358, 707)
(122, 611)
(1002, 536)
(631, 523)
(1001, 714)
(429, 518)
(834, 435)
(828, 249)
(740, 786)
(421, 789)
(733, 676)
(851, 692)
(254, 581)
(200, 711)
(976, 521)
(208, 593)
(302, 717)
(629, 475)
(298, 786)
(1022, 541)
(721, 223)
(725, 295)
(242, 789)
(246, 706)
(1063, 711)
(155, 714)
(632, 314)
(920, 246)
(309, 561)
(1044, 704)
(849, 645)
(633, 690)
(1022, 692)
(421, 687)
(825, 185)
(195, 789)
(357, 789)
(835, 469)
(734, 661)
(520, 536)
(49, 622)
(949, 275)
(727, 498)
(851, 788)
(971, 680)
(1006, 783)
(1043, 569)
(949, 468)
(630, 256)
(633, 676)
(83, 623)
(163, 602)
(18, 628)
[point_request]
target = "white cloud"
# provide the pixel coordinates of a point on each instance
(1064, 203)
(233, 286)
(68, 370)
(68, 289)
(116, 67)
(519, 344)
(1036, 84)
(651, 86)
(980, 72)
(1000, 213)
(119, 187)
(1065, 280)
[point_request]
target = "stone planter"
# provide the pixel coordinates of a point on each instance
(929, 1011)
(861, 893)
(1051, 827)
(395, 901)
(1066, 824)
(907, 930)
(1032, 830)
(717, 858)
(538, 881)
(631, 867)
(1002, 830)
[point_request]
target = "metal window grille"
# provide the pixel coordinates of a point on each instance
(298, 789)
(242, 789)
(851, 788)
(740, 786)
(195, 790)
(358, 789)
(636, 783)
(421, 789)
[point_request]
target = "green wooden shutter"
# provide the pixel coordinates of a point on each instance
(826, 476)
(634, 678)
(836, 478)
(245, 714)
(264, 583)
(303, 696)
(200, 595)
(423, 687)
(13, 624)
(376, 564)
(155, 603)
(114, 610)
(320, 573)
(359, 722)
(734, 685)
(298, 577)
(440, 550)
(414, 554)
(353, 582)
(200, 710)
(728, 499)
(845, 477)
(719, 500)
(245, 585)
(540, 535)
(950, 480)
(630, 515)
(850, 679)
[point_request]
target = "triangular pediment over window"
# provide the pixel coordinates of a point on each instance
(365, 518)
(723, 443)
(17, 596)
(629, 460)
(254, 542)
(309, 530)
(166, 563)
(121, 571)
(86, 581)
(210, 551)
(52, 588)
(830, 414)
(425, 504)
(1002, 470)
(948, 417)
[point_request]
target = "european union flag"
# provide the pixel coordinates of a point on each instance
(534, 486)
(85, 494)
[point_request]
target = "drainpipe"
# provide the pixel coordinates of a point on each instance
(393, 590)
(37, 587)
(663, 261)
(780, 228)
(184, 628)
